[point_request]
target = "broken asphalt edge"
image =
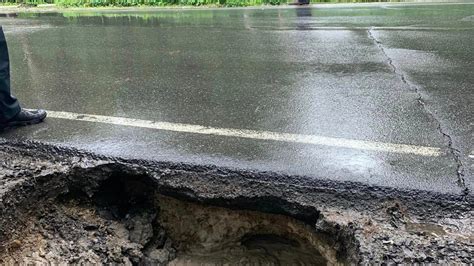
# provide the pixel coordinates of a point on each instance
(322, 203)
(344, 193)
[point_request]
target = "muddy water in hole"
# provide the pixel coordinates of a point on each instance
(213, 235)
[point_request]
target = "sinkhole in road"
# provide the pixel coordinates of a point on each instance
(127, 220)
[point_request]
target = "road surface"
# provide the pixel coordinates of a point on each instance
(380, 94)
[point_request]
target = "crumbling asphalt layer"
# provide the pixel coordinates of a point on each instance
(363, 223)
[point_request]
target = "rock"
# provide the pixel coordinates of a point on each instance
(127, 262)
(118, 230)
(421, 257)
(15, 244)
(141, 228)
(158, 256)
(408, 253)
(398, 260)
(132, 251)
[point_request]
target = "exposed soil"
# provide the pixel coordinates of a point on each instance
(127, 222)
(65, 206)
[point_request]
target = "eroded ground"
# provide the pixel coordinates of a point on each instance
(66, 206)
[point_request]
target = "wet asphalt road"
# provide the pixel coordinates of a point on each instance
(350, 72)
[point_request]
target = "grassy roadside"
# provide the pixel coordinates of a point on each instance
(137, 3)
(166, 3)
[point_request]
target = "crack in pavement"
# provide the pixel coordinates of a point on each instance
(415, 88)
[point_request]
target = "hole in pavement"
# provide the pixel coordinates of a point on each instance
(126, 220)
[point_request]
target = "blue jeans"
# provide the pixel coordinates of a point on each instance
(9, 106)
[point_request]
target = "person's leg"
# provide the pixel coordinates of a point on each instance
(11, 114)
(9, 106)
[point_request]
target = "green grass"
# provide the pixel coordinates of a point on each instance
(125, 3)
(97, 3)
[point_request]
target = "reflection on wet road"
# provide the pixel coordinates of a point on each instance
(353, 73)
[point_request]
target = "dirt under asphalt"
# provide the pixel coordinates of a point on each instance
(66, 206)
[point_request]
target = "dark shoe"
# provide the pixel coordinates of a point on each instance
(24, 118)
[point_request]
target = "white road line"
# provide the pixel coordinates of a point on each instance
(253, 134)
